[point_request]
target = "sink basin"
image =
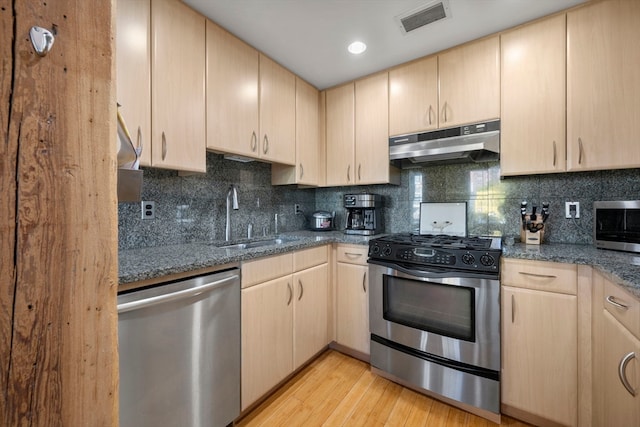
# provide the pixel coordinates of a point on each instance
(259, 243)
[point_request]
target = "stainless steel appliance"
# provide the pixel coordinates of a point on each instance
(469, 143)
(364, 214)
(322, 221)
(616, 225)
(434, 313)
(179, 349)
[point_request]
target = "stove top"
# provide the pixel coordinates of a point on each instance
(443, 251)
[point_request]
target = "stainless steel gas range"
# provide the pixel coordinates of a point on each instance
(435, 317)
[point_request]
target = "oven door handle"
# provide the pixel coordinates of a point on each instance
(420, 272)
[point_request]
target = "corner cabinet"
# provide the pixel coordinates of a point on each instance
(532, 135)
(539, 342)
(357, 134)
(603, 84)
(177, 87)
(352, 299)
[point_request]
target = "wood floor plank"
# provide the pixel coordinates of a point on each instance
(337, 390)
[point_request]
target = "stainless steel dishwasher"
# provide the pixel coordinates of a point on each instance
(179, 349)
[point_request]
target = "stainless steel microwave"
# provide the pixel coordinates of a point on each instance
(616, 225)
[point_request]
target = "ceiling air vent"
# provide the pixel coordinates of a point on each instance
(423, 15)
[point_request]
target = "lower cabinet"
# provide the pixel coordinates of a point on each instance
(284, 319)
(352, 298)
(540, 342)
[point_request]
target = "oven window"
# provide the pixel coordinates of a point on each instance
(442, 309)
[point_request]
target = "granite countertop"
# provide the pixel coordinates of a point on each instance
(157, 262)
(621, 267)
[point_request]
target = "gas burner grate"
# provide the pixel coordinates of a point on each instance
(439, 241)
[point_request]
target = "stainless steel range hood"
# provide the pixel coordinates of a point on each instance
(479, 142)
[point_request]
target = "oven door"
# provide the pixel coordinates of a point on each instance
(456, 318)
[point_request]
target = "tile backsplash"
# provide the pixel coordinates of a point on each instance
(193, 208)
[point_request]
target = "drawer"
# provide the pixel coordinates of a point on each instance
(264, 269)
(311, 257)
(352, 254)
(623, 306)
(540, 275)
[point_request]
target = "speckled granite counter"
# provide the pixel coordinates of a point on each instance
(620, 267)
(156, 262)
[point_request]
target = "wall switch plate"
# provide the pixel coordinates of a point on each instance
(572, 209)
(148, 209)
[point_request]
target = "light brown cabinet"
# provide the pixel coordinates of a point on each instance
(533, 92)
(603, 85)
(539, 341)
(177, 87)
(310, 313)
(307, 149)
(352, 298)
(133, 64)
(357, 133)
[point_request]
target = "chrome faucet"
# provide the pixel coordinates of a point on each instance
(232, 195)
(276, 227)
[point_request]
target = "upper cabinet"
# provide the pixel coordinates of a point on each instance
(532, 136)
(307, 149)
(413, 97)
(603, 84)
(469, 81)
(232, 94)
(459, 86)
(177, 87)
(133, 62)
(357, 133)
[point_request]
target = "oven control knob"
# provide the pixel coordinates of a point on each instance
(487, 260)
(386, 251)
(468, 259)
(375, 250)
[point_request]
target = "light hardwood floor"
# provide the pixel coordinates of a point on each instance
(338, 390)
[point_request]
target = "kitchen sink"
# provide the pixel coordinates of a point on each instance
(260, 243)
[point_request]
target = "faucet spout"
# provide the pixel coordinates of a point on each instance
(232, 203)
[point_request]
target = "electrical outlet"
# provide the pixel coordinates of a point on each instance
(572, 209)
(296, 209)
(148, 209)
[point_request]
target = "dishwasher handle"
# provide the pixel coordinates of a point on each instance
(148, 302)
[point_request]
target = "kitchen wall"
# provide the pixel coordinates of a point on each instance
(192, 208)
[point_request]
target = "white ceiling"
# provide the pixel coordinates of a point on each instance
(310, 37)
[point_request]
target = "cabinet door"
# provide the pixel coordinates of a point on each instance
(603, 84)
(469, 79)
(133, 62)
(178, 87)
(352, 307)
(232, 94)
(372, 130)
(310, 313)
(413, 97)
(539, 353)
(267, 337)
(277, 113)
(621, 408)
(532, 136)
(340, 135)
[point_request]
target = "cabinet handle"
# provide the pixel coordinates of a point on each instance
(349, 173)
(359, 167)
(254, 141)
(364, 280)
(444, 111)
(579, 150)
(290, 293)
(429, 112)
(265, 144)
(352, 255)
(554, 153)
(164, 146)
(544, 276)
(513, 308)
(611, 300)
(301, 289)
(301, 170)
(622, 373)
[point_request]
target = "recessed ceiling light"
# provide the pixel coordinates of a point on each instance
(357, 48)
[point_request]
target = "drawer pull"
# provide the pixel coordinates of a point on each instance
(611, 300)
(622, 373)
(544, 276)
(352, 255)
